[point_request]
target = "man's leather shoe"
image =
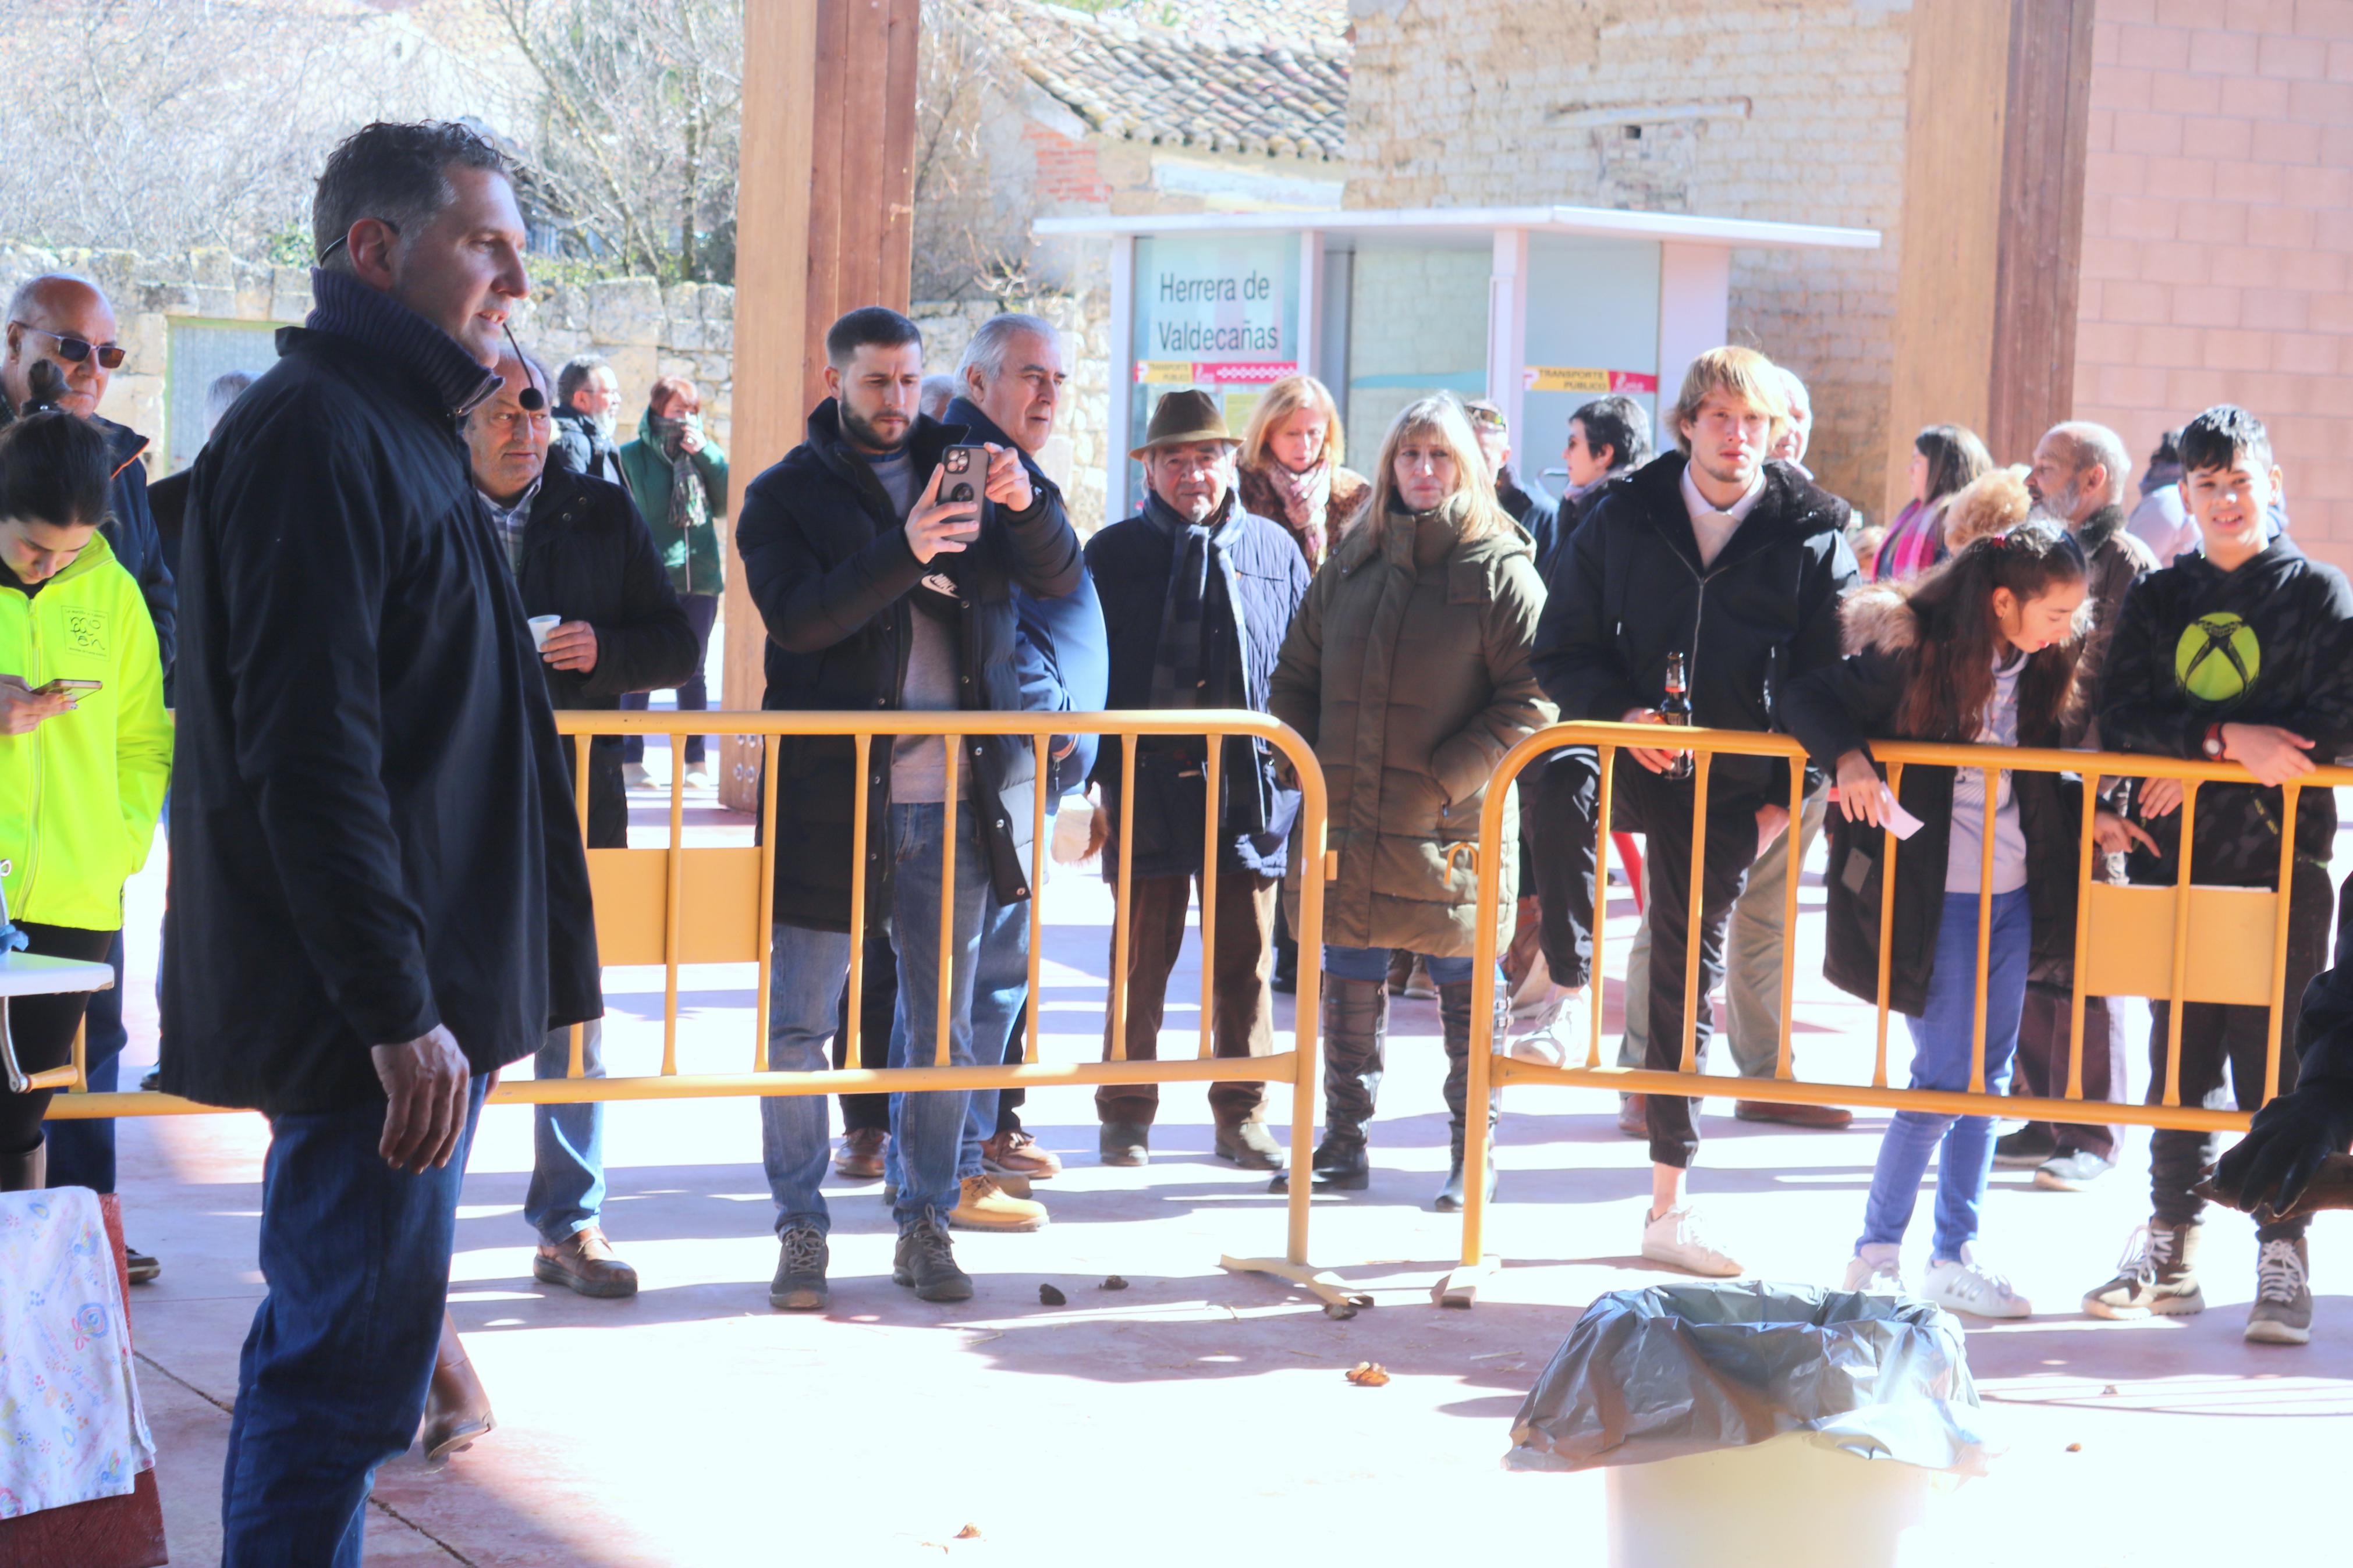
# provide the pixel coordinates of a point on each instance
(861, 1158)
(584, 1263)
(1634, 1115)
(140, 1267)
(1125, 1144)
(1816, 1117)
(1016, 1154)
(1249, 1145)
(457, 1406)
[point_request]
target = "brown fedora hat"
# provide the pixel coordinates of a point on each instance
(1183, 417)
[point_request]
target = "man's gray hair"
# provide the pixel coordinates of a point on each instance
(2087, 444)
(221, 395)
(993, 340)
(575, 374)
(21, 300)
(939, 391)
(1798, 396)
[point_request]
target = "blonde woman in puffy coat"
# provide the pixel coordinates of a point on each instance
(1406, 668)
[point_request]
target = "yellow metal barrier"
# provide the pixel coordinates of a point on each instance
(711, 904)
(2132, 941)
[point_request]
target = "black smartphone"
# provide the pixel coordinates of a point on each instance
(963, 473)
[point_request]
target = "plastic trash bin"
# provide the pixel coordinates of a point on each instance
(1759, 1424)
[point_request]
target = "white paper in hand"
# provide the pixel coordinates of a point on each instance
(1897, 820)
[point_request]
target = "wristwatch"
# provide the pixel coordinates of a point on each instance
(2214, 747)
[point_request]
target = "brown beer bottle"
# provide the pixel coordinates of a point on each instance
(1676, 709)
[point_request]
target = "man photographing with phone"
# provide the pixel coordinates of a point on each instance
(879, 594)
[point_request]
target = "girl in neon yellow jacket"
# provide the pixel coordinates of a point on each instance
(85, 741)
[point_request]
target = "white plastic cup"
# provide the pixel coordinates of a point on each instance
(541, 626)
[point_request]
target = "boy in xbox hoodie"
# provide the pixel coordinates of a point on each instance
(2242, 652)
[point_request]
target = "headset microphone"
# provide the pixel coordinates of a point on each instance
(530, 397)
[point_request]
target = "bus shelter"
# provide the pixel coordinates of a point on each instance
(1537, 308)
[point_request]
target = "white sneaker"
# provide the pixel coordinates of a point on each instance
(1967, 1286)
(698, 776)
(1676, 1238)
(1877, 1275)
(1558, 1034)
(634, 776)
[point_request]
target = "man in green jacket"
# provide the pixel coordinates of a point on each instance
(679, 478)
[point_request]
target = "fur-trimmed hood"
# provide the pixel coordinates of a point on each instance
(1994, 502)
(1878, 617)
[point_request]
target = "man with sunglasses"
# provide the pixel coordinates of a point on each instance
(67, 321)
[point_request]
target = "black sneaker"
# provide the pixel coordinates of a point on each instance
(925, 1260)
(799, 1285)
(2023, 1150)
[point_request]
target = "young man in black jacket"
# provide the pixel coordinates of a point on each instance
(580, 553)
(2241, 653)
(378, 894)
(1733, 565)
(878, 595)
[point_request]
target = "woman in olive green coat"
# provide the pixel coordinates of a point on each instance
(677, 477)
(1406, 668)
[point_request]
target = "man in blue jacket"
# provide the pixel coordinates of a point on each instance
(1010, 385)
(67, 321)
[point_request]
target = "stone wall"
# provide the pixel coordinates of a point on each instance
(645, 330)
(1750, 108)
(2218, 247)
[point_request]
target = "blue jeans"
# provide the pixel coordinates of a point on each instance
(1373, 964)
(806, 975)
(568, 1142)
(82, 1150)
(1000, 985)
(332, 1381)
(1940, 1059)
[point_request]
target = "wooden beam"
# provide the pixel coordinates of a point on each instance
(824, 221)
(1993, 224)
(2038, 277)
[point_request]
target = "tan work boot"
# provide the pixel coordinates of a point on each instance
(982, 1205)
(2159, 1274)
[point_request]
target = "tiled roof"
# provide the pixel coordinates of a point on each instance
(1214, 88)
(1325, 19)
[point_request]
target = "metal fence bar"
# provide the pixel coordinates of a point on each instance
(2087, 853)
(1790, 839)
(946, 961)
(1698, 881)
(1887, 938)
(861, 828)
(1209, 858)
(764, 939)
(1992, 777)
(673, 899)
(583, 749)
(2288, 798)
(1594, 989)
(2180, 943)
(1122, 900)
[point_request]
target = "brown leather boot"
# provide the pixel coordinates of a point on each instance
(584, 1262)
(457, 1406)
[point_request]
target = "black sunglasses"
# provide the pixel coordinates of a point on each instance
(76, 349)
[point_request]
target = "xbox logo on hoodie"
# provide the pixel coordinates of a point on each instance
(2216, 659)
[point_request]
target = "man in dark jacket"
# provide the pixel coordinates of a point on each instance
(587, 398)
(581, 554)
(2241, 653)
(1198, 595)
(1732, 566)
(378, 895)
(2079, 480)
(882, 594)
(66, 322)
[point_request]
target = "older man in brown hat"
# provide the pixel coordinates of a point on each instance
(1197, 595)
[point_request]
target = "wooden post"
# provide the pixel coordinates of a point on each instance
(1993, 224)
(824, 222)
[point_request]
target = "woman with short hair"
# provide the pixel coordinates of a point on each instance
(1406, 668)
(1290, 466)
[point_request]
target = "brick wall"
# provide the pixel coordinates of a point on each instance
(1754, 108)
(2216, 234)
